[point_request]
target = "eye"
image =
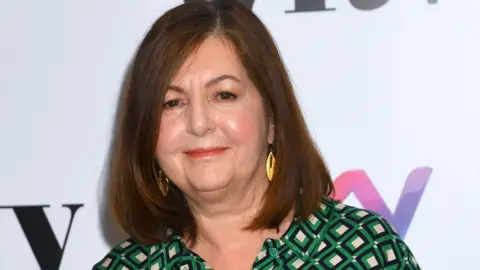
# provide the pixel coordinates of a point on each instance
(171, 103)
(226, 96)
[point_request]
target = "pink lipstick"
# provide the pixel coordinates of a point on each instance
(205, 152)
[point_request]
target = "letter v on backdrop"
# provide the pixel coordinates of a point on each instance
(358, 183)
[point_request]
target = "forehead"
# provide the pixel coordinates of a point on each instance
(215, 56)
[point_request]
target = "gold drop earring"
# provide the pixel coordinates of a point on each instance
(270, 164)
(162, 182)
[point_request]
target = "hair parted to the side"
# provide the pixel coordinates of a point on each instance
(137, 203)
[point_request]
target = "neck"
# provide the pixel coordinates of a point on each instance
(222, 217)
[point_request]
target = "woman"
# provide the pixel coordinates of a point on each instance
(213, 165)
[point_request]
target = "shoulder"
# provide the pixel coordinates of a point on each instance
(360, 236)
(132, 255)
(345, 219)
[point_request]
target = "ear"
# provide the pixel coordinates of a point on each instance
(271, 131)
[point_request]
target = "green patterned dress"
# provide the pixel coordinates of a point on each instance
(337, 236)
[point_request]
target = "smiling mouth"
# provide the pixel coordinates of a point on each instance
(205, 152)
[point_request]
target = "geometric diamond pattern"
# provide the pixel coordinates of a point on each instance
(337, 236)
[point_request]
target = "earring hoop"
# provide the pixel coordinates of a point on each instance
(270, 165)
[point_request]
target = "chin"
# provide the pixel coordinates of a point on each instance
(210, 185)
(208, 177)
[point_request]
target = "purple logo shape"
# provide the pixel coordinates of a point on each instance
(358, 183)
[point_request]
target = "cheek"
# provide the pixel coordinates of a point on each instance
(245, 125)
(169, 137)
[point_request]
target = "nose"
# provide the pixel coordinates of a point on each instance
(199, 118)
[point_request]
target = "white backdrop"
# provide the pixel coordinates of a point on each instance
(385, 91)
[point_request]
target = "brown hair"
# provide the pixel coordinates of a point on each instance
(137, 202)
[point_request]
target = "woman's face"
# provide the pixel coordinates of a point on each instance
(214, 131)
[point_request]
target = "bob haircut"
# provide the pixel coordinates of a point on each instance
(301, 178)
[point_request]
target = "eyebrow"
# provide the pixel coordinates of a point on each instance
(209, 83)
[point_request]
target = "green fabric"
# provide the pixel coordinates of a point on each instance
(337, 236)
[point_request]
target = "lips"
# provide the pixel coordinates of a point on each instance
(205, 152)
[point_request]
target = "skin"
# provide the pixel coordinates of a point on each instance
(212, 103)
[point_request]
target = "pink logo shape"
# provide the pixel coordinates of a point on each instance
(357, 182)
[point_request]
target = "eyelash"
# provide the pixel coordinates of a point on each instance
(169, 105)
(223, 95)
(229, 95)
